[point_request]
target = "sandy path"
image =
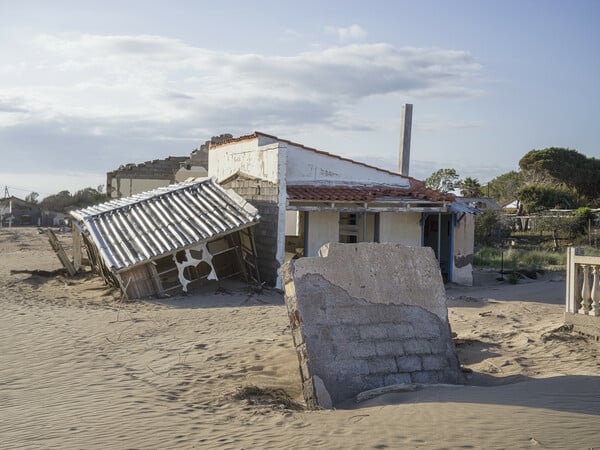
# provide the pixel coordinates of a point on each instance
(78, 370)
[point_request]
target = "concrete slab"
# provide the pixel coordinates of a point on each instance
(368, 315)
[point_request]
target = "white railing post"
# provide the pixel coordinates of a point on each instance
(569, 294)
(594, 307)
(585, 290)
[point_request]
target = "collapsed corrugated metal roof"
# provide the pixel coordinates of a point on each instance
(135, 229)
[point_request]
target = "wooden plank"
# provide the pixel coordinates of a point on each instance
(60, 252)
(77, 242)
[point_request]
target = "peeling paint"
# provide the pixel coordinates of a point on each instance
(462, 260)
(190, 261)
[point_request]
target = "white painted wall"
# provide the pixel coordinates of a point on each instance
(464, 236)
(245, 156)
(401, 228)
(305, 167)
(291, 223)
(281, 159)
(323, 227)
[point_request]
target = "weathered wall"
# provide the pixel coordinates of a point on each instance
(263, 195)
(247, 157)
(401, 228)
(132, 179)
(306, 166)
(368, 315)
(462, 260)
(125, 187)
(323, 227)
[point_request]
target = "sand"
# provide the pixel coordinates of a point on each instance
(80, 369)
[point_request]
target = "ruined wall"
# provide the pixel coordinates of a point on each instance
(131, 179)
(462, 260)
(368, 315)
(263, 195)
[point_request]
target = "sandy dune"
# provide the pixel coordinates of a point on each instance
(79, 369)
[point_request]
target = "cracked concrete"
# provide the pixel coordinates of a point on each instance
(365, 316)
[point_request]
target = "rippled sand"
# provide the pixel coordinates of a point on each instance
(79, 369)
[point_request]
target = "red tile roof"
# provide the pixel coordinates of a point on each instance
(362, 193)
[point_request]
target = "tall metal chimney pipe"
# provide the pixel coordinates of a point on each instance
(405, 129)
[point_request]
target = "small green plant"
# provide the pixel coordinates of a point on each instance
(513, 259)
(513, 278)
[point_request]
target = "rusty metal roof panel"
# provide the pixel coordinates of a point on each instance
(128, 231)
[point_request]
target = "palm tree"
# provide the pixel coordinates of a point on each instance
(470, 187)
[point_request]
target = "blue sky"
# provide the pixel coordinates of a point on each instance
(88, 86)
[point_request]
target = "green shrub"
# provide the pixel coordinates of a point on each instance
(488, 257)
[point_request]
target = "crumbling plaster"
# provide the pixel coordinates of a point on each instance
(365, 316)
(462, 260)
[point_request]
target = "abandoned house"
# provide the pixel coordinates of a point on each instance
(307, 198)
(15, 212)
(169, 238)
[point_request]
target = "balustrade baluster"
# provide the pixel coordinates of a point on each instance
(585, 290)
(595, 306)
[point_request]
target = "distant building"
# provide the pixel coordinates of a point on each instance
(130, 179)
(15, 212)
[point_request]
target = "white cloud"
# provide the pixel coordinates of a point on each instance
(347, 34)
(157, 79)
(84, 98)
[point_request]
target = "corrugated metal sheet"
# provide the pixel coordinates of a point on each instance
(134, 229)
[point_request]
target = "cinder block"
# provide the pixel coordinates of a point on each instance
(427, 377)
(433, 362)
(400, 331)
(408, 363)
(382, 365)
(375, 331)
(396, 378)
(416, 347)
(388, 348)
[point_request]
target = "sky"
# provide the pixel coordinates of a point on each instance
(88, 86)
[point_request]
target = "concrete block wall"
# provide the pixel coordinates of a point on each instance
(263, 195)
(347, 344)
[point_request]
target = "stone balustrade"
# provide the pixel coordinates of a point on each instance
(583, 292)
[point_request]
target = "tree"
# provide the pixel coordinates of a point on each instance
(564, 166)
(504, 187)
(443, 180)
(537, 197)
(470, 187)
(63, 201)
(491, 228)
(32, 198)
